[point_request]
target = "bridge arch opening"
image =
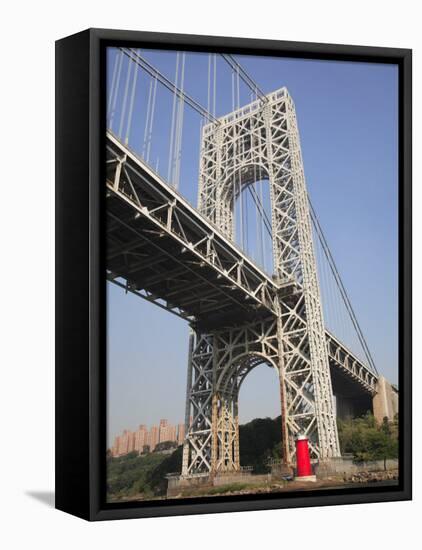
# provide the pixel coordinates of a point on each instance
(249, 199)
(249, 393)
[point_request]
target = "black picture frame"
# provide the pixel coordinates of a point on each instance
(80, 284)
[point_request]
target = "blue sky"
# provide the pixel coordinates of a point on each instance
(347, 116)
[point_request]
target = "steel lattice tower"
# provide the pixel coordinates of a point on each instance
(261, 141)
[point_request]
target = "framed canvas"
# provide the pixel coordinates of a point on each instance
(231, 335)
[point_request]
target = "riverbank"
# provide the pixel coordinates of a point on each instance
(361, 480)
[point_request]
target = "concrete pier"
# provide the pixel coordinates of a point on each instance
(385, 402)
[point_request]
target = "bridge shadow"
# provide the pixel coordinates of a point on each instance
(45, 497)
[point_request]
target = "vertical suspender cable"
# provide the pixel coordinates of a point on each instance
(215, 86)
(179, 134)
(151, 122)
(239, 153)
(116, 90)
(327, 286)
(209, 84)
(261, 198)
(173, 119)
(147, 116)
(201, 126)
(258, 252)
(246, 206)
(323, 280)
(331, 295)
(123, 113)
(233, 90)
(234, 175)
(113, 84)
(131, 103)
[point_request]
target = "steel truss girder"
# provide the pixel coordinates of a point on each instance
(168, 216)
(345, 360)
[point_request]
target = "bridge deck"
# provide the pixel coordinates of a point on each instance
(161, 246)
(162, 249)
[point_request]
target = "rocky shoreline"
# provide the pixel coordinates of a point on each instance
(371, 477)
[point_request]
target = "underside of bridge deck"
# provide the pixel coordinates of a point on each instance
(160, 248)
(152, 263)
(352, 397)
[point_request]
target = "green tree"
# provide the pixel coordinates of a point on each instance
(165, 446)
(258, 442)
(366, 440)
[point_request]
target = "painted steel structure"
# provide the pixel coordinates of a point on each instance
(261, 141)
(164, 250)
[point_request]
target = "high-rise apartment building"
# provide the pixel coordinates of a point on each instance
(167, 431)
(126, 443)
(180, 434)
(141, 436)
(136, 441)
(115, 447)
(153, 437)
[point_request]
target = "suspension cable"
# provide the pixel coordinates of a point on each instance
(341, 287)
(335, 273)
(135, 57)
(154, 72)
(248, 80)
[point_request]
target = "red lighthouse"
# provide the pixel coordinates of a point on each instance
(303, 461)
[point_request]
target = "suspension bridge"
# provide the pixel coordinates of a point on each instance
(249, 267)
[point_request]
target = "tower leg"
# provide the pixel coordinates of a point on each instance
(226, 434)
(186, 445)
(286, 444)
(198, 439)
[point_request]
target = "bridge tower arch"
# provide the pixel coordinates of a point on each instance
(262, 140)
(225, 451)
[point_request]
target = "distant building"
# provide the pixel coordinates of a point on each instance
(163, 430)
(122, 446)
(144, 440)
(167, 432)
(153, 437)
(173, 433)
(141, 437)
(115, 447)
(180, 433)
(126, 443)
